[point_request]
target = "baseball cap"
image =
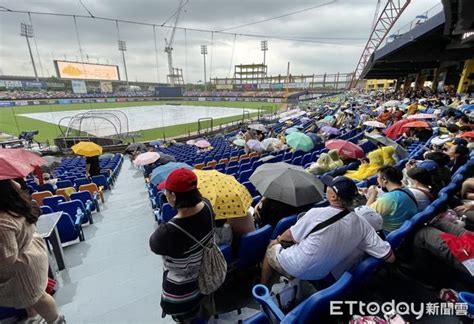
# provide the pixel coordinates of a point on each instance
(371, 216)
(429, 165)
(344, 187)
(180, 180)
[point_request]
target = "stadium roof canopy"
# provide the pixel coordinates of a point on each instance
(424, 47)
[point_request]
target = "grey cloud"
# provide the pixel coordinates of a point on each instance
(56, 36)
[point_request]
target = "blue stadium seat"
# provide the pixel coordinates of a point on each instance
(87, 199)
(251, 188)
(283, 224)
(396, 237)
(81, 181)
(101, 180)
(70, 228)
(167, 212)
(64, 184)
(53, 202)
(232, 169)
(75, 208)
(252, 247)
(46, 210)
(245, 175)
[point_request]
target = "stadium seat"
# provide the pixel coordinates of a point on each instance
(245, 175)
(199, 166)
(101, 181)
(252, 247)
(47, 187)
(167, 212)
(396, 237)
(64, 184)
(283, 224)
(46, 210)
(93, 189)
(232, 169)
(65, 192)
(53, 202)
(70, 228)
(255, 200)
(251, 188)
(80, 181)
(74, 208)
(89, 201)
(39, 196)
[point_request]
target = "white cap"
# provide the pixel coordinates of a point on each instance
(371, 216)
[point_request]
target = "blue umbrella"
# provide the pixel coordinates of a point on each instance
(155, 143)
(317, 140)
(160, 173)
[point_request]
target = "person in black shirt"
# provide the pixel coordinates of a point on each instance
(181, 297)
(92, 166)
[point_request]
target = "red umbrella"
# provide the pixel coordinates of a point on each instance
(469, 134)
(417, 124)
(17, 163)
(396, 129)
(346, 149)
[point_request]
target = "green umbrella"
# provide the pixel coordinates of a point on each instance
(300, 142)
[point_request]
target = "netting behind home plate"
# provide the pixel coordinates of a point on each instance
(99, 123)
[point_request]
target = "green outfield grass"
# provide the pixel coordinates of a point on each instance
(11, 123)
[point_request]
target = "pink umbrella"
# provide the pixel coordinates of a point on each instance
(17, 163)
(422, 116)
(202, 144)
(146, 158)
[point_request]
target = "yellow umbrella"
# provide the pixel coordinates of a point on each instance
(87, 149)
(228, 197)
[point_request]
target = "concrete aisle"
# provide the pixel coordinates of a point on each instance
(113, 277)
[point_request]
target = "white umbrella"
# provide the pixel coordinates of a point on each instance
(271, 142)
(258, 127)
(392, 103)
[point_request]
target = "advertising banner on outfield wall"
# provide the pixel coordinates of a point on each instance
(78, 86)
(32, 84)
(6, 104)
(2, 84)
(224, 86)
(10, 84)
(106, 86)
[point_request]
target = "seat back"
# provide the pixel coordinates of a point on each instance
(65, 192)
(91, 187)
(67, 229)
(71, 208)
(47, 187)
(396, 237)
(40, 195)
(199, 166)
(53, 201)
(252, 246)
(46, 210)
(64, 184)
(80, 181)
(167, 212)
(251, 188)
(100, 180)
(284, 224)
(85, 197)
(245, 175)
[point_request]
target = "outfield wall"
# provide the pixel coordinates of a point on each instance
(16, 103)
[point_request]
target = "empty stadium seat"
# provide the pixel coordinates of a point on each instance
(252, 247)
(39, 196)
(101, 181)
(53, 201)
(284, 224)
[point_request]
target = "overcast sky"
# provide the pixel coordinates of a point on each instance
(337, 31)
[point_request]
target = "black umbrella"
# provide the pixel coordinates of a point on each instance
(136, 147)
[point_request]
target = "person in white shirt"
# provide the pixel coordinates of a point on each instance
(314, 254)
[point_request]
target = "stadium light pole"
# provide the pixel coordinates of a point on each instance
(264, 48)
(204, 52)
(27, 32)
(122, 46)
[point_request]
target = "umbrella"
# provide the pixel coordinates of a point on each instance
(331, 130)
(300, 142)
(106, 156)
(136, 147)
(422, 116)
(87, 149)
(254, 145)
(305, 119)
(287, 183)
(165, 158)
(191, 142)
(392, 103)
(417, 124)
(239, 142)
(155, 143)
(469, 134)
(291, 130)
(317, 140)
(258, 127)
(346, 149)
(146, 158)
(379, 139)
(202, 144)
(228, 197)
(18, 163)
(270, 142)
(159, 174)
(374, 123)
(329, 118)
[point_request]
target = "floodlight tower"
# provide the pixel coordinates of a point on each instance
(27, 32)
(264, 48)
(122, 47)
(204, 52)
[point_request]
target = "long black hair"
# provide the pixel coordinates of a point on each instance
(17, 203)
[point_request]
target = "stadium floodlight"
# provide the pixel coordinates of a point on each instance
(122, 47)
(264, 48)
(27, 32)
(204, 52)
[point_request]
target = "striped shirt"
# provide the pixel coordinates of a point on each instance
(182, 260)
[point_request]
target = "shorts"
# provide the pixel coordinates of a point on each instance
(272, 257)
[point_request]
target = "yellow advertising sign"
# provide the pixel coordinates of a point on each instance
(86, 71)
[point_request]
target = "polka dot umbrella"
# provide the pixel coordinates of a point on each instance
(228, 197)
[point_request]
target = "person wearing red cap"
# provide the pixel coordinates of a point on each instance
(181, 297)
